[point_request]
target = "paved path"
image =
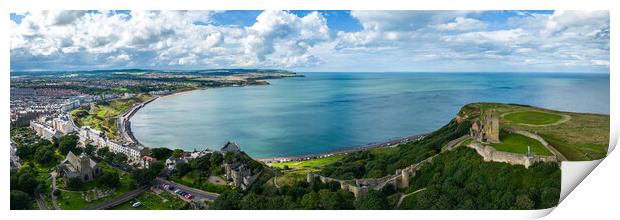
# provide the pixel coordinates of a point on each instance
(404, 196)
(40, 202)
(197, 193)
(54, 202)
(119, 200)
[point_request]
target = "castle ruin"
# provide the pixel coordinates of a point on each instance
(486, 129)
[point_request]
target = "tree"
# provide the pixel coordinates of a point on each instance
(524, 202)
(69, 143)
(178, 153)
(27, 183)
(142, 177)
(73, 183)
(182, 168)
(310, 201)
(120, 158)
(24, 151)
(160, 153)
(109, 179)
(89, 149)
(228, 200)
(371, 200)
(109, 156)
(216, 159)
(101, 152)
(44, 155)
(20, 200)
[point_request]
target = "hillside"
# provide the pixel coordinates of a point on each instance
(578, 136)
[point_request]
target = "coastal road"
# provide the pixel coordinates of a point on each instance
(123, 121)
(198, 194)
(119, 200)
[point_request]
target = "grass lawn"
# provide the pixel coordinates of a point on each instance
(205, 185)
(313, 163)
(102, 117)
(533, 117)
(584, 136)
(516, 143)
(298, 170)
(153, 201)
(73, 200)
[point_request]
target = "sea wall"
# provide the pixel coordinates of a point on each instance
(489, 153)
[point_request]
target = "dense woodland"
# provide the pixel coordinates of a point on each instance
(460, 179)
(363, 164)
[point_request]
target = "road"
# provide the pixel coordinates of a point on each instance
(119, 200)
(40, 201)
(14, 157)
(54, 201)
(199, 195)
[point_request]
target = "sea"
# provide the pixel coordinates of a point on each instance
(328, 111)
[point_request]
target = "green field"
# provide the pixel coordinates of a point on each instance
(579, 137)
(72, 200)
(102, 115)
(516, 143)
(313, 163)
(153, 201)
(533, 117)
(298, 170)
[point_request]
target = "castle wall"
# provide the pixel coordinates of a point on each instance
(489, 153)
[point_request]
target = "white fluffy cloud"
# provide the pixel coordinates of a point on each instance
(387, 40)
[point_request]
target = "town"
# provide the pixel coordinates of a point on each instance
(72, 146)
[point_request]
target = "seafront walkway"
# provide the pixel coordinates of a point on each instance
(346, 150)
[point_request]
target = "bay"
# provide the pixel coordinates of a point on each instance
(328, 111)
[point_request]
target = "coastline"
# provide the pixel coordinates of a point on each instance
(345, 150)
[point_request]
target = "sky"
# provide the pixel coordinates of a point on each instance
(346, 41)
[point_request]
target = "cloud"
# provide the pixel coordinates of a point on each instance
(283, 39)
(461, 24)
(386, 40)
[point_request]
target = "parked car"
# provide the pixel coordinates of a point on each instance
(136, 205)
(177, 191)
(189, 196)
(170, 187)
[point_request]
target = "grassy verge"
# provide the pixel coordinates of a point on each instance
(153, 201)
(516, 143)
(533, 117)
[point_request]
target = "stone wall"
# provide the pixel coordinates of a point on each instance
(489, 153)
(399, 179)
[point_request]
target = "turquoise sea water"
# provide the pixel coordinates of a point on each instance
(327, 111)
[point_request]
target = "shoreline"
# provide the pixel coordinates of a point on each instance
(344, 150)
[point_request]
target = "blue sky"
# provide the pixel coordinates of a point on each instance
(526, 41)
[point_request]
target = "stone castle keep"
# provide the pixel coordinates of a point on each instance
(486, 129)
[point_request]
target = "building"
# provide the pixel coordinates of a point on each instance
(231, 147)
(134, 152)
(172, 162)
(44, 131)
(146, 161)
(81, 167)
(239, 175)
(62, 124)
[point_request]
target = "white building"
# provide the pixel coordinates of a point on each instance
(44, 131)
(62, 124)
